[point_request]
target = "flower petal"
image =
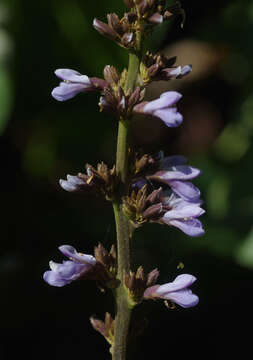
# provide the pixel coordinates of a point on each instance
(71, 253)
(54, 279)
(67, 91)
(70, 270)
(169, 98)
(191, 227)
(170, 116)
(75, 180)
(72, 76)
(184, 298)
(181, 282)
(180, 172)
(68, 186)
(185, 212)
(185, 189)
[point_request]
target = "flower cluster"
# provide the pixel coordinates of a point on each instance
(82, 266)
(148, 13)
(159, 67)
(143, 287)
(114, 99)
(101, 268)
(99, 181)
(164, 194)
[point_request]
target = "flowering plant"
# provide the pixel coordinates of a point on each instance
(141, 187)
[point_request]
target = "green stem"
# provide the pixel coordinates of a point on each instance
(122, 150)
(123, 310)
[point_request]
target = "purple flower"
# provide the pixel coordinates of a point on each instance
(164, 108)
(72, 84)
(70, 270)
(173, 172)
(182, 214)
(176, 291)
(175, 73)
(73, 183)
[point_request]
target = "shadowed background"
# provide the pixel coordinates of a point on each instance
(43, 140)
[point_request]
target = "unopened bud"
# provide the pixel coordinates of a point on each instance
(127, 38)
(156, 18)
(104, 29)
(113, 21)
(153, 212)
(152, 277)
(111, 74)
(105, 328)
(129, 3)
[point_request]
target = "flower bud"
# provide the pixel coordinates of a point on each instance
(105, 328)
(111, 75)
(129, 3)
(104, 29)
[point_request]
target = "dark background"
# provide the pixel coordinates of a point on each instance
(43, 140)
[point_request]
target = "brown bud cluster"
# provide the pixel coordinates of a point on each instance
(101, 180)
(159, 67)
(113, 98)
(142, 15)
(144, 163)
(153, 66)
(105, 328)
(105, 268)
(108, 260)
(119, 30)
(153, 11)
(136, 283)
(143, 205)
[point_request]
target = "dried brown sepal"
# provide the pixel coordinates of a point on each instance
(102, 180)
(175, 10)
(143, 164)
(136, 283)
(153, 66)
(122, 31)
(142, 206)
(114, 99)
(152, 277)
(105, 30)
(105, 328)
(111, 75)
(107, 259)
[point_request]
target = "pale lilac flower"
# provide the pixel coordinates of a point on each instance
(177, 291)
(70, 270)
(164, 108)
(172, 171)
(175, 73)
(73, 183)
(72, 84)
(182, 214)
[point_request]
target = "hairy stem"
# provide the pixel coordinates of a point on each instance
(123, 310)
